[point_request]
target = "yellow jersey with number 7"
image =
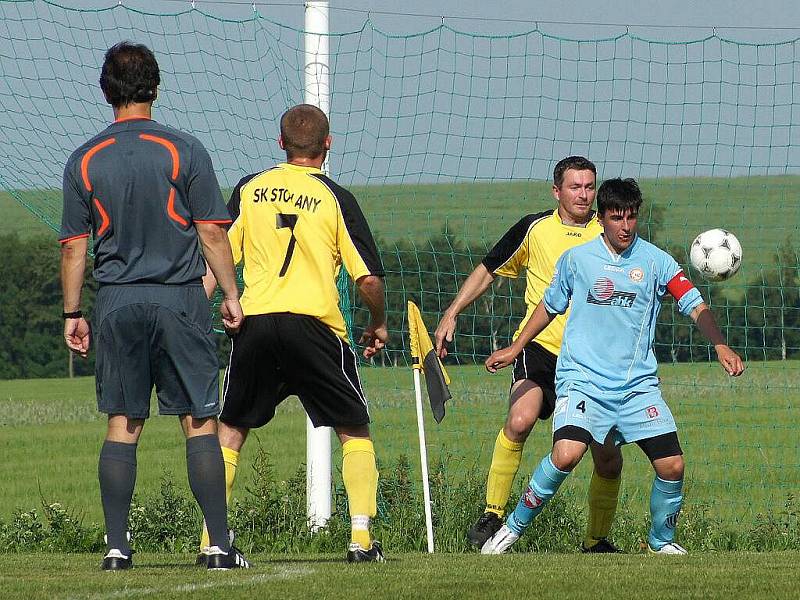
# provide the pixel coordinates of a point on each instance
(293, 228)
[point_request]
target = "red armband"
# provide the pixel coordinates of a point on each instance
(679, 285)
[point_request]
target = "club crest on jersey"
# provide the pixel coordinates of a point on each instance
(636, 274)
(604, 293)
(530, 499)
(652, 412)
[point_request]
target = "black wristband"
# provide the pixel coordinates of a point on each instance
(77, 314)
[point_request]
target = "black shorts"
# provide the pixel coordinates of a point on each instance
(155, 335)
(538, 365)
(277, 355)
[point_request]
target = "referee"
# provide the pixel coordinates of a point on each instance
(146, 193)
(294, 228)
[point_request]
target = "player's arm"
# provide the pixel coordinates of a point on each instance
(473, 288)
(217, 252)
(508, 257)
(539, 320)
(689, 300)
(376, 334)
(76, 223)
(554, 302)
(730, 361)
(73, 266)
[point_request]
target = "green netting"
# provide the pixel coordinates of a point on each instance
(447, 138)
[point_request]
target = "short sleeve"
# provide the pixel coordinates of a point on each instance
(203, 193)
(356, 244)
(668, 268)
(76, 216)
(509, 256)
(557, 295)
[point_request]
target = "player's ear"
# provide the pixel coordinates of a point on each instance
(328, 141)
(280, 142)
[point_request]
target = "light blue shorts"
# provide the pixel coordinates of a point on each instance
(627, 418)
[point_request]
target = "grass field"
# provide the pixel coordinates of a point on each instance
(761, 211)
(739, 437)
(709, 576)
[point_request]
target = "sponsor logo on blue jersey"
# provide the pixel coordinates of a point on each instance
(603, 293)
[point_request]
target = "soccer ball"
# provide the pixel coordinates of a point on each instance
(717, 254)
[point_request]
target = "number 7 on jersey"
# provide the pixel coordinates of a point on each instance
(285, 220)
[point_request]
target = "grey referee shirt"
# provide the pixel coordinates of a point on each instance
(139, 187)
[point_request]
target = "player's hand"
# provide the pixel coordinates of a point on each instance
(500, 359)
(444, 334)
(232, 315)
(730, 361)
(77, 335)
(374, 339)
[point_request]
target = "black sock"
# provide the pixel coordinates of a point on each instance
(117, 473)
(207, 480)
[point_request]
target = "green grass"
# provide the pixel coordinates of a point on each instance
(761, 211)
(739, 437)
(708, 576)
(20, 220)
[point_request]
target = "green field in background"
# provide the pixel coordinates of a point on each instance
(740, 438)
(761, 211)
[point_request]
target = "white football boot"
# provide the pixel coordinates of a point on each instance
(670, 548)
(500, 542)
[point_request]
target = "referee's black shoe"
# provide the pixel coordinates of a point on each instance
(603, 546)
(485, 527)
(357, 554)
(115, 560)
(217, 560)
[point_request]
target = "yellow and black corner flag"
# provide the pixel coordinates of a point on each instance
(423, 356)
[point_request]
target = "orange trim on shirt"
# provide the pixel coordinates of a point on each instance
(88, 156)
(169, 146)
(218, 222)
(74, 237)
(171, 209)
(123, 119)
(104, 216)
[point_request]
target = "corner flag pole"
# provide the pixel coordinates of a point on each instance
(423, 454)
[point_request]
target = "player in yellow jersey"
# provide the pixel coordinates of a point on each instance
(293, 227)
(533, 246)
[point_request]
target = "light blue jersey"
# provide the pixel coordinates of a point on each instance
(607, 347)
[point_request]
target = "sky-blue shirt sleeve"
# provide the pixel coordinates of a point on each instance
(668, 269)
(557, 295)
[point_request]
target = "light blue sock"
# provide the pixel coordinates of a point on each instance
(543, 485)
(665, 504)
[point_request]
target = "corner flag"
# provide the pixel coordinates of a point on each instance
(424, 359)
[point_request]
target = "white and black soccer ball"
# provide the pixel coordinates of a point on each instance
(716, 254)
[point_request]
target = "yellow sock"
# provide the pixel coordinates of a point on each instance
(603, 497)
(231, 460)
(361, 483)
(505, 464)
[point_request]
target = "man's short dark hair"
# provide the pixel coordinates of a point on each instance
(304, 129)
(578, 163)
(619, 195)
(130, 74)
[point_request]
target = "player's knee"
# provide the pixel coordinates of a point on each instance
(519, 426)
(567, 454)
(608, 464)
(670, 468)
